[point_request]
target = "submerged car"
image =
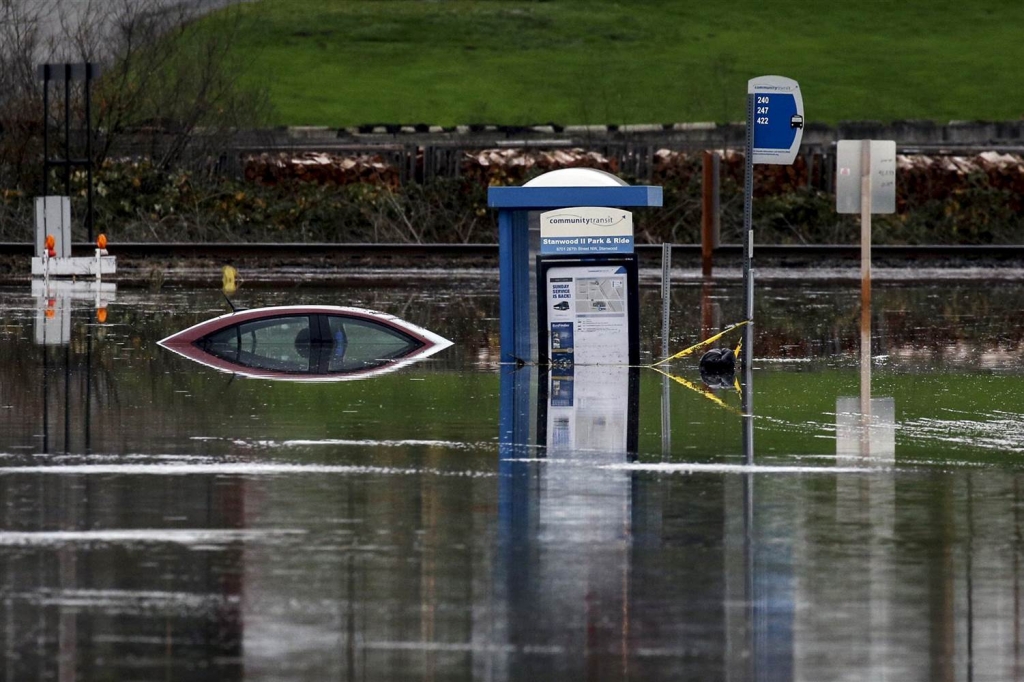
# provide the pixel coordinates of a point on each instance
(306, 343)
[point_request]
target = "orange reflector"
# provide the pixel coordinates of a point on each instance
(101, 315)
(50, 242)
(101, 241)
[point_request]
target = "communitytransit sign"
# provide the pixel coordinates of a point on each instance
(586, 229)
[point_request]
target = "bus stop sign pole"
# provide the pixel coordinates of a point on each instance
(775, 127)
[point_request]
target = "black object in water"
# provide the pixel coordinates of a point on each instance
(718, 361)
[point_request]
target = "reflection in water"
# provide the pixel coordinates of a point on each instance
(865, 436)
(585, 544)
(53, 300)
(589, 409)
(866, 426)
(81, 604)
(211, 529)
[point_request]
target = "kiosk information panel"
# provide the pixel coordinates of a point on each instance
(588, 313)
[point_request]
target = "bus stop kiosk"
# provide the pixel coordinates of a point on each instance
(567, 269)
(567, 297)
(585, 299)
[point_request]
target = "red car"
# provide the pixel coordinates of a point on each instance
(306, 343)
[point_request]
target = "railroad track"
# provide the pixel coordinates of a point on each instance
(411, 253)
(152, 265)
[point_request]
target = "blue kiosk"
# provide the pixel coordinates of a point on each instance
(518, 240)
(519, 235)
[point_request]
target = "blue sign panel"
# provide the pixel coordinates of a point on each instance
(777, 118)
(577, 245)
(772, 116)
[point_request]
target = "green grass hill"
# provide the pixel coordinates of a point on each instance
(446, 62)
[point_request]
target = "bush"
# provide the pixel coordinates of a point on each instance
(137, 201)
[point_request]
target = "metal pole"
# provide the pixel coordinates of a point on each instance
(747, 406)
(748, 235)
(88, 150)
(865, 221)
(666, 295)
(67, 130)
(666, 308)
(666, 419)
(46, 129)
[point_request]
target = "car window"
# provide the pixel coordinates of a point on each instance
(279, 343)
(289, 344)
(224, 343)
(360, 344)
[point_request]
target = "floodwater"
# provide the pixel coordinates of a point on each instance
(457, 520)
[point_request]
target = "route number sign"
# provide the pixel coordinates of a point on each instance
(777, 117)
(775, 128)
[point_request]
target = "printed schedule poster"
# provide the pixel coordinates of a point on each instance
(587, 315)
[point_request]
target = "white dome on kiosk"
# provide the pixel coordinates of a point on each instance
(577, 177)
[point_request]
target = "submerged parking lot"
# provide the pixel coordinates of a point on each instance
(163, 519)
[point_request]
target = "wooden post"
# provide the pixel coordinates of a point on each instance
(865, 297)
(710, 220)
(709, 310)
(865, 222)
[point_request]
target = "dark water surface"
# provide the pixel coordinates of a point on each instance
(160, 520)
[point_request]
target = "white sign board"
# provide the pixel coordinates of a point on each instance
(53, 217)
(586, 229)
(777, 119)
(587, 309)
(849, 175)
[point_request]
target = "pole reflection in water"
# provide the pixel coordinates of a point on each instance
(585, 541)
(566, 521)
(54, 302)
(761, 644)
(865, 510)
(588, 416)
(80, 601)
(302, 544)
(588, 544)
(743, 639)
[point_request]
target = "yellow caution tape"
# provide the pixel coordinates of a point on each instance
(702, 391)
(706, 342)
